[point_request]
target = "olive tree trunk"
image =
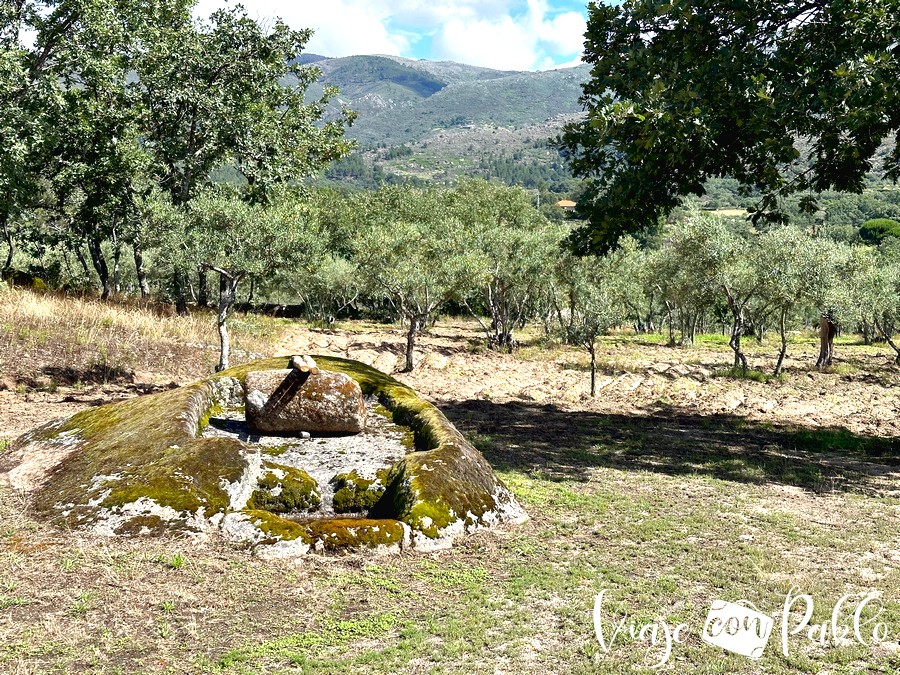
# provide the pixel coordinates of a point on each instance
(227, 292)
(179, 288)
(99, 262)
(827, 331)
(737, 329)
(202, 288)
(782, 321)
(887, 337)
(7, 237)
(411, 342)
(141, 274)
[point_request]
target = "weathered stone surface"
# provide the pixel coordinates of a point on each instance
(128, 467)
(139, 468)
(447, 490)
(289, 401)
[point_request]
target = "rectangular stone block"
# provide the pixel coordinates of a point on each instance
(284, 401)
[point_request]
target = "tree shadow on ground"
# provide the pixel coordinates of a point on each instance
(568, 445)
(97, 373)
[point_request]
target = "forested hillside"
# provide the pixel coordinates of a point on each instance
(425, 120)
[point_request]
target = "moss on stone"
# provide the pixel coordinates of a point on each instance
(143, 447)
(444, 481)
(285, 489)
(331, 534)
(214, 410)
(337, 534)
(379, 409)
(275, 451)
(355, 494)
(433, 489)
(276, 528)
(184, 478)
(148, 448)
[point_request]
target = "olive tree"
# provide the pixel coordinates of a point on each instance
(719, 265)
(222, 233)
(874, 291)
(681, 275)
(787, 261)
(516, 247)
(600, 292)
(412, 251)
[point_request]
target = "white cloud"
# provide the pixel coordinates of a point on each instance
(530, 40)
(503, 34)
(432, 13)
(342, 27)
(564, 33)
(501, 43)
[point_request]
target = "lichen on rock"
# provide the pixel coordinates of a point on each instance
(138, 467)
(290, 401)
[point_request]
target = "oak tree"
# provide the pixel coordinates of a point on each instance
(786, 96)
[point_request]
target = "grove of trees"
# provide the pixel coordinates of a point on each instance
(114, 110)
(145, 152)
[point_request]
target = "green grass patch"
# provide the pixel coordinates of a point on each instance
(749, 374)
(329, 634)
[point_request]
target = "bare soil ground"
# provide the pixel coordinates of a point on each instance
(673, 487)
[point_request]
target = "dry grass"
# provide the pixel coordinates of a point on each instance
(48, 339)
(667, 507)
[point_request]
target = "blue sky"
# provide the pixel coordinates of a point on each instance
(504, 34)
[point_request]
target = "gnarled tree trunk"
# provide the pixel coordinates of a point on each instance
(99, 262)
(179, 288)
(202, 289)
(227, 291)
(139, 268)
(593, 350)
(737, 330)
(827, 331)
(7, 237)
(411, 342)
(887, 338)
(782, 321)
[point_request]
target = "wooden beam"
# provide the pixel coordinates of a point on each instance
(304, 364)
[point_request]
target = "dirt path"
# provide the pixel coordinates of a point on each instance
(666, 397)
(637, 379)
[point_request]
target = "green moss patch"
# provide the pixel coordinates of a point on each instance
(329, 534)
(214, 410)
(275, 528)
(275, 451)
(355, 494)
(183, 478)
(337, 534)
(141, 448)
(285, 489)
(142, 525)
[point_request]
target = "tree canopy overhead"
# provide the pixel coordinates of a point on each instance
(786, 96)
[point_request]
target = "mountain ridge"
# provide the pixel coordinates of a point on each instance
(438, 120)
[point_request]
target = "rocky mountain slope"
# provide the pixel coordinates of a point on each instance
(438, 120)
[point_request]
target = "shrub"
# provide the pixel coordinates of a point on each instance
(874, 231)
